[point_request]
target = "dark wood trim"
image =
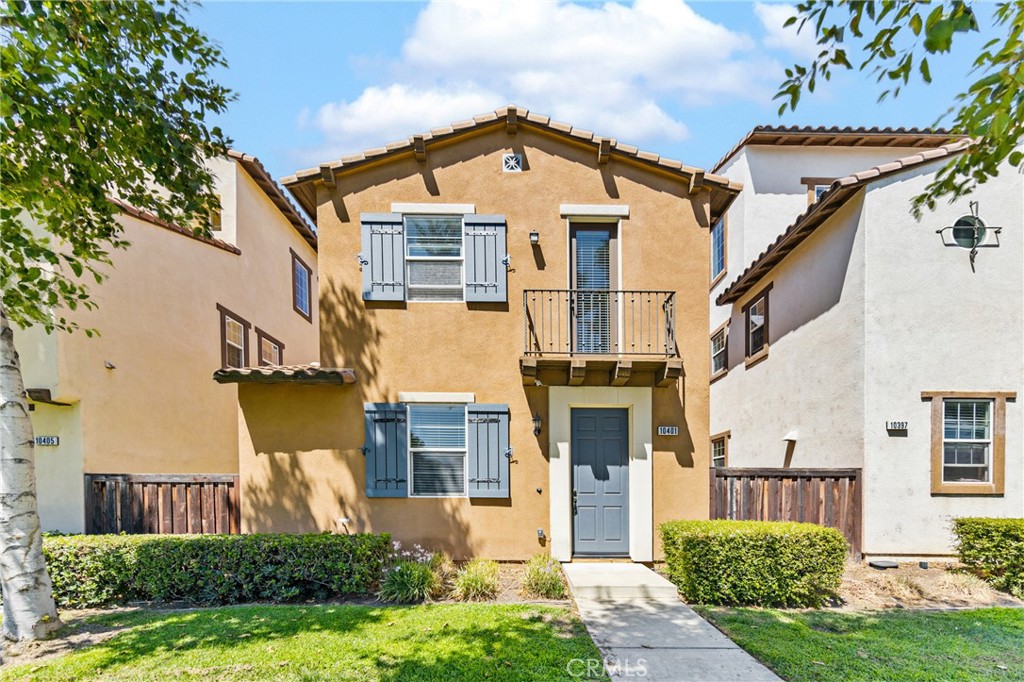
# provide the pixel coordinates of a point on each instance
(724, 436)
(260, 335)
(168, 478)
(997, 486)
(725, 256)
(225, 313)
(752, 359)
(152, 219)
(724, 327)
(296, 258)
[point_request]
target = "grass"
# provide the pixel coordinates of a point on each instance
(911, 646)
(335, 642)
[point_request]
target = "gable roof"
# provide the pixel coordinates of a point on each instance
(818, 212)
(820, 136)
(265, 182)
(723, 190)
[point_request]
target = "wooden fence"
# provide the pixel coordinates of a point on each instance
(830, 497)
(161, 503)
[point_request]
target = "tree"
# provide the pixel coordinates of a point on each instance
(990, 110)
(100, 99)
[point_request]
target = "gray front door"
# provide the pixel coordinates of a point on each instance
(600, 481)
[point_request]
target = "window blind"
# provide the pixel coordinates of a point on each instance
(593, 308)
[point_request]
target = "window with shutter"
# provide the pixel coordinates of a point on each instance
(434, 257)
(437, 445)
(383, 257)
(486, 272)
(489, 450)
(386, 449)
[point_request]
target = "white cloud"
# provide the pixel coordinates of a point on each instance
(801, 45)
(623, 71)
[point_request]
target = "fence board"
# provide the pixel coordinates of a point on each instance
(829, 497)
(164, 503)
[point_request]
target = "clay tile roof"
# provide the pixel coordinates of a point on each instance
(285, 374)
(820, 136)
(153, 219)
(300, 183)
(818, 212)
(265, 182)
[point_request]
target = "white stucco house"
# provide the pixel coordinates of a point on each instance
(847, 334)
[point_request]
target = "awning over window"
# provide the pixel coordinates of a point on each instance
(285, 374)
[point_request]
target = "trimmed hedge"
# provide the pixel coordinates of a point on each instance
(761, 563)
(98, 570)
(993, 549)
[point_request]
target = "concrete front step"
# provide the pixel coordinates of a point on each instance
(613, 580)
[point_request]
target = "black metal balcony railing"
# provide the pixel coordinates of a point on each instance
(599, 322)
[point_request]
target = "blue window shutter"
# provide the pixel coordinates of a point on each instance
(486, 273)
(386, 450)
(383, 257)
(488, 450)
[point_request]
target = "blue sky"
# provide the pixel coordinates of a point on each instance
(316, 80)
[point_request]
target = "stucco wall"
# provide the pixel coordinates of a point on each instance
(934, 325)
(158, 410)
(812, 379)
(476, 348)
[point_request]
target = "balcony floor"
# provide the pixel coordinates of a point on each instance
(600, 370)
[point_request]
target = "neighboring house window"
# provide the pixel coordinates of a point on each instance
(968, 442)
(234, 339)
(718, 234)
(433, 257)
(720, 351)
(756, 318)
(720, 450)
(816, 187)
(302, 285)
(271, 351)
(215, 220)
(437, 449)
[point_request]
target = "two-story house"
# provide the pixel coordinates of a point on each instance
(131, 433)
(845, 334)
(518, 308)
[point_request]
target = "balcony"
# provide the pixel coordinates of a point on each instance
(600, 337)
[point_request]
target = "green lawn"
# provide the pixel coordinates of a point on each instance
(342, 642)
(983, 644)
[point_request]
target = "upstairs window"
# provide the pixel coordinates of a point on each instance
(434, 258)
(816, 187)
(302, 285)
(717, 251)
(719, 352)
(756, 318)
(271, 351)
(234, 339)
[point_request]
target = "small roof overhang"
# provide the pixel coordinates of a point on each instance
(286, 374)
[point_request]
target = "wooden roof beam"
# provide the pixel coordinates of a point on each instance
(696, 181)
(419, 148)
(512, 121)
(327, 175)
(604, 150)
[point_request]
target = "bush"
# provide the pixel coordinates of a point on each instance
(993, 549)
(408, 582)
(476, 581)
(760, 563)
(98, 570)
(544, 577)
(444, 571)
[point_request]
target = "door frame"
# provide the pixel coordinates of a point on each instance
(614, 276)
(572, 479)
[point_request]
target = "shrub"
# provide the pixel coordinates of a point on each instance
(543, 577)
(477, 580)
(993, 549)
(97, 570)
(760, 563)
(444, 571)
(408, 582)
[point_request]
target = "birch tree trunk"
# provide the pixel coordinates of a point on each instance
(29, 610)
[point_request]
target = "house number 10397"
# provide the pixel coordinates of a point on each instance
(895, 426)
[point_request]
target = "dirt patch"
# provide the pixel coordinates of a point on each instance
(76, 634)
(942, 585)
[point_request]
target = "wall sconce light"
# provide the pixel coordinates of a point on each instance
(536, 424)
(534, 238)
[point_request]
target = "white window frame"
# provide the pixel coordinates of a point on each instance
(228, 342)
(719, 226)
(714, 442)
(307, 283)
(443, 259)
(412, 451)
(277, 351)
(763, 300)
(987, 442)
(724, 352)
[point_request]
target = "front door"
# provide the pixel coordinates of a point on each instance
(600, 481)
(592, 305)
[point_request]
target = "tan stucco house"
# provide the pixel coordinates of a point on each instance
(131, 432)
(513, 347)
(845, 334)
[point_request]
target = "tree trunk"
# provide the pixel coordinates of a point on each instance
(29, 610)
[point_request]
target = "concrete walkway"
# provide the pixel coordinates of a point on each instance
(638, 622)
